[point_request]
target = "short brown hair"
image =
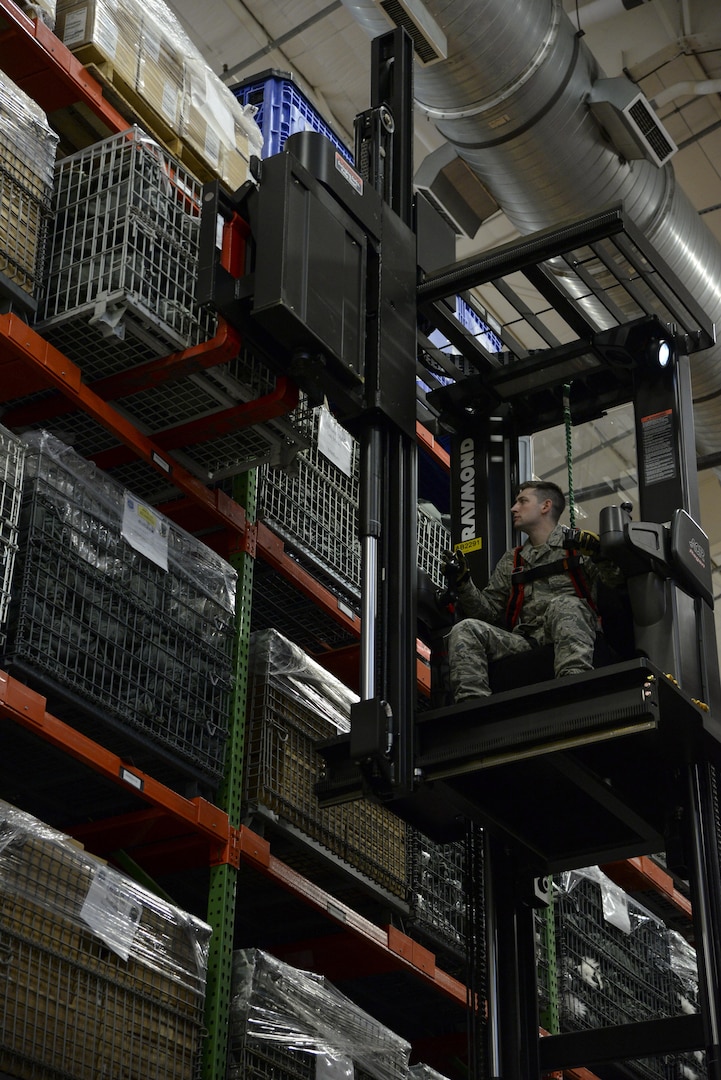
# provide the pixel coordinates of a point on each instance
(546, 489)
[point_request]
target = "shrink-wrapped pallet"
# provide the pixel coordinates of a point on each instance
(27, 157)
(100, 976)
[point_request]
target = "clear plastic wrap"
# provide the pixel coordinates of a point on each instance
(124, 621)
(151, 54)
(312, 686)
(294, 703)
(28, 148)
(613, 954)
(12, 471)
(684, 981)
(95, 507)
(40, 9)
(93, 962)
(424, 1072)
(275, 1004)
(684, 966)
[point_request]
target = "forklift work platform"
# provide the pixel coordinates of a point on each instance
(567, 768)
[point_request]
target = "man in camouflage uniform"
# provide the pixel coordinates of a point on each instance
(549, 609)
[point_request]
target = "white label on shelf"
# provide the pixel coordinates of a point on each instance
(75, 27)
(145, 530)
(131, 778)
(335, 1067)
(334, 442)
(111, 911)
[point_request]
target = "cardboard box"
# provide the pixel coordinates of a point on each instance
(101, 32)
(160, 72)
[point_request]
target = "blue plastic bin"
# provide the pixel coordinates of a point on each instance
(472, 322)
(283, 110)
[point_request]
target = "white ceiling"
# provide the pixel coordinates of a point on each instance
(670, 48)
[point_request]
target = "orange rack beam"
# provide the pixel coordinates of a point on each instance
(641, 874)
(182, 817)
(393, 949)
(28, 359)
(222, 347)
(47, 71)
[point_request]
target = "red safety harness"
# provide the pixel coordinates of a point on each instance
(521, 573)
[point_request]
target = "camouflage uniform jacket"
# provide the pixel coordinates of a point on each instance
(490, 604)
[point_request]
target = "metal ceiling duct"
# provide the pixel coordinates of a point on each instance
(512, 99)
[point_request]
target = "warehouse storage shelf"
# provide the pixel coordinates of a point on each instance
(166, 829)
(47, 71)
(643, 878)
(29, 358)
(195, 819)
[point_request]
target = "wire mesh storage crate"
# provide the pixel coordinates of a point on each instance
(27, 152)
(212, 424)
(122, 256)
(12, 468)
(691, 1065)
(546, 971)
(283, 110)
(314, 509)
(100, 976)
(294, 702)
(613, 960)
(124, 621)
(277, 602)
(437, 892)
(289, 1024)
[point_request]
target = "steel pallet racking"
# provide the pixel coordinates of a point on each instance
(157, 829)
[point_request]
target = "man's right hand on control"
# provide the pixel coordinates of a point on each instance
(454, 568)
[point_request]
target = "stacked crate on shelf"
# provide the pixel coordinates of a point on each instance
(27, 158)
(613, 961)
(157, 77)
(282, 110)
(277, 602)
(100, 976)
(12, 469)
(293, 703)
(314, 509)
(122, 256)
(214, 444)
(289, 1024)
(684, 988)
(124, 621)
(438, 895)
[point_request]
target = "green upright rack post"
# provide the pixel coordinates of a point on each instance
(224, 878)
(547, 968)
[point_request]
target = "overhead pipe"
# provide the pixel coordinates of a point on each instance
(512, 100)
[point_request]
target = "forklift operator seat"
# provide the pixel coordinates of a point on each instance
(614, 642)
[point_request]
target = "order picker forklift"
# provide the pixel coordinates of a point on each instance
(317, 263)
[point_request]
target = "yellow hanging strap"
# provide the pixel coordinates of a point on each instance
(569, 452)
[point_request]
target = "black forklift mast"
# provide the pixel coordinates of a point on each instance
(326, 290)
(565, 773)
